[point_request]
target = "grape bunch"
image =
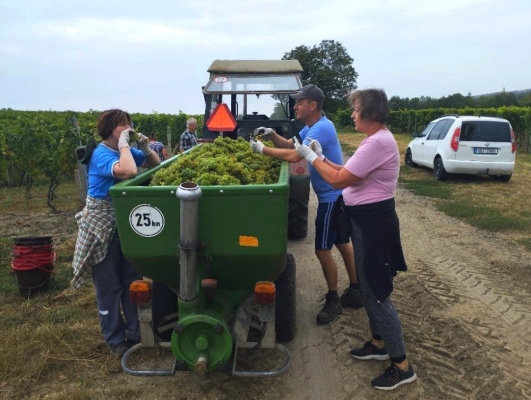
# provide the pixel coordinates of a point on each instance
(225, 161)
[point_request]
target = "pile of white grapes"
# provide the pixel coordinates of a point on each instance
(224, 161)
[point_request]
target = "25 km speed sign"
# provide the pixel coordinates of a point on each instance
(146, 220)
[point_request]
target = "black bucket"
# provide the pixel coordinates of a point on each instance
(32, 263)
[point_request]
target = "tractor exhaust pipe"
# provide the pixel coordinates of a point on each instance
(189, 194)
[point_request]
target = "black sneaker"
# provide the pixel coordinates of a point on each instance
(393, 377)
(370, 352)
(351, 298)
(119, 349)
(330, 311)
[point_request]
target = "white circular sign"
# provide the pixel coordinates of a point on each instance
(220, 79)
(146, 220)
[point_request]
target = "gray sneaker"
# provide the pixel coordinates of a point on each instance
(330, 311)
(393, 377)
(351, 298)
(370, 352)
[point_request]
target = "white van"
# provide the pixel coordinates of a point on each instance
(456, 144)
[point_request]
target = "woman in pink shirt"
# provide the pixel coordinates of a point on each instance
(368, 180)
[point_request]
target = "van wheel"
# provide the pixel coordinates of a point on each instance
(409, 159)
(439, 172)
(503, 178)
(285, 302)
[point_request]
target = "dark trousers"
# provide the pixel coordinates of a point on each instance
(384, 321)
(111, 278)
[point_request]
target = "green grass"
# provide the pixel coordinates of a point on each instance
(477, 200)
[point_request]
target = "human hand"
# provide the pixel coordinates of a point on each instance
(123, 141)
(304, 151)
(256, 145)
(142, 143)
(316, 146)
(263, 132)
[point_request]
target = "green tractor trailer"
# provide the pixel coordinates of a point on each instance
(217, 274)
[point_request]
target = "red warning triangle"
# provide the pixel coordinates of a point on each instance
(221, 119)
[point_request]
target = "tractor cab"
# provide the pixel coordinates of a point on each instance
(255, 93)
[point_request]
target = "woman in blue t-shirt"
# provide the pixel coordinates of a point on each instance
(98, 251)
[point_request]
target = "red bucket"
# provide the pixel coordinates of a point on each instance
(32, 263)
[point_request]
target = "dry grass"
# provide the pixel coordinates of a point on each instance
(51, 344)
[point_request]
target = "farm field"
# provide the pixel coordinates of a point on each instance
(464, 304)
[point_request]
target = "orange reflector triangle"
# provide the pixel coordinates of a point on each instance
(221, 119)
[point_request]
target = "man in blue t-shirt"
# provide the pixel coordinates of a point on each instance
(308, 106)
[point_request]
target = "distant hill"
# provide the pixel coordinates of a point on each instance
(517, 93)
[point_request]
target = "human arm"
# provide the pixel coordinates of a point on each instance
(126, 167)
(285, 154)
(336, 175)
(165, 153)
(152, 158)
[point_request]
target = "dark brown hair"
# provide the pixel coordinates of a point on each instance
(371, 104)
(110, 119)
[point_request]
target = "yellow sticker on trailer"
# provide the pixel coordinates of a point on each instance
(249, 241)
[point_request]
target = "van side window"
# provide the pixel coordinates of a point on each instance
(440, 129)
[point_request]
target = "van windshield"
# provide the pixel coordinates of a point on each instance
(485, 131)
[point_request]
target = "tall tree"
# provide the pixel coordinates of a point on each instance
(330, 67)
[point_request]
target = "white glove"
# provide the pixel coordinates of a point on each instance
(123, 141)
(264, 132)
(316, 146)
(142, 143)
(304, 151)
(256, 145)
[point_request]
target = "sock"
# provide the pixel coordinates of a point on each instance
(332, 293)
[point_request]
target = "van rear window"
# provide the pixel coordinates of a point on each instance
(485, 131)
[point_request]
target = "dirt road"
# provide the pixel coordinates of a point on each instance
(465, 306)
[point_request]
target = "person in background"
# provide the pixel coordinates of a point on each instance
(308, 108)
(158, 147)
(369, 180)
(97, 251)
(188, 137)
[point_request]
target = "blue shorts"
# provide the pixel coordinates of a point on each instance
(325, 235)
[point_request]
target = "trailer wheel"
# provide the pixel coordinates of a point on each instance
(297, 219)
(163, 303)
(285, 304)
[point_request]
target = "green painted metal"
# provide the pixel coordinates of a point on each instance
(243, 230)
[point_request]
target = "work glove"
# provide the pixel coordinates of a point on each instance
(123, 140)
(142, 143)
(263, 132)
(316, 146)
(256, 145)
(304, 151)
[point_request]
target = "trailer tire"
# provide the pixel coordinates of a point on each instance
(297, 219)
(285, 304)
(163, 303)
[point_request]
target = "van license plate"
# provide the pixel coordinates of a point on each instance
(485, 150)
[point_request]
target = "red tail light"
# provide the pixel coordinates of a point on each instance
(264, 293)
(140, 291)
(454, 144)
(513, 142)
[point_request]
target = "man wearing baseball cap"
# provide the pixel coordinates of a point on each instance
(308, 108)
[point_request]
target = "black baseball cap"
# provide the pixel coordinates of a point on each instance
(310, 92)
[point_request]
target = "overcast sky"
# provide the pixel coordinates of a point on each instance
(145, 56)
